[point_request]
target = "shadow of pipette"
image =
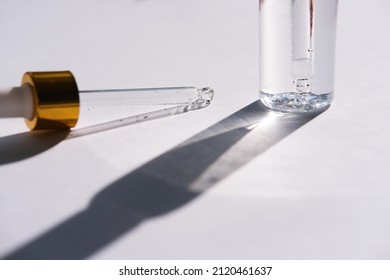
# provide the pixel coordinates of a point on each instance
(24, 145)
(21, 146)
(153, 115)
(165, 183)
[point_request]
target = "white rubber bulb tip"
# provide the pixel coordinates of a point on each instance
(17, 102)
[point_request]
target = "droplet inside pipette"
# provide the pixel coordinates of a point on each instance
(302, 86)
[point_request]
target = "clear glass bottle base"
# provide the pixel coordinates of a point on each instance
(294, 102)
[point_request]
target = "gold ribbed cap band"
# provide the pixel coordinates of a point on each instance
(56, 100)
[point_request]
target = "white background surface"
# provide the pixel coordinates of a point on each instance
(281, 189)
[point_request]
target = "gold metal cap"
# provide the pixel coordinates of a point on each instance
(56, 100)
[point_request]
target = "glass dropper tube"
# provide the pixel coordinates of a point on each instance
(146, 96)
(51, 100)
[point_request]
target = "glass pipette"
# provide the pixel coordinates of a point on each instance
(302, 42)
(51, 100)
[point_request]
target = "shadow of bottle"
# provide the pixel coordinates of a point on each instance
(166, 183)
